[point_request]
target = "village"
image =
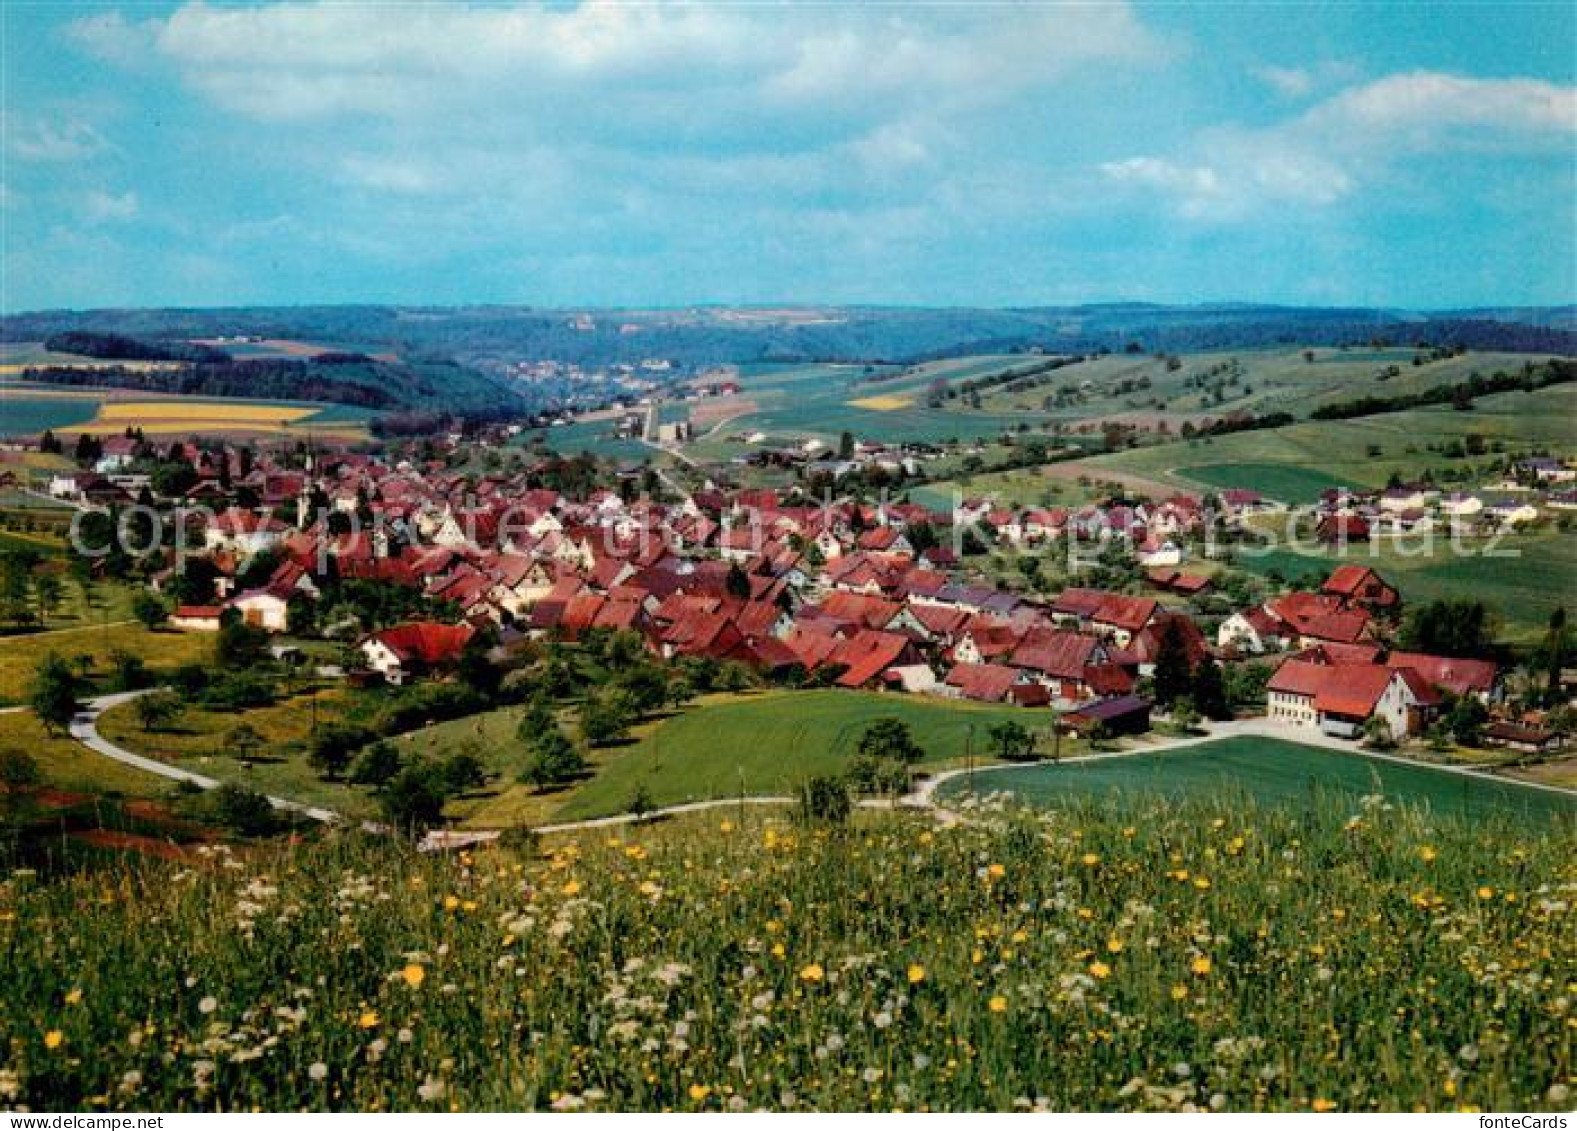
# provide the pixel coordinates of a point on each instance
(843, 593)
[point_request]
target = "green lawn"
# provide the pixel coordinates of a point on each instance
(1271, 772)
(161, 651)
(199, 741)
(65, 764)
(770, 742)
(1277, 481)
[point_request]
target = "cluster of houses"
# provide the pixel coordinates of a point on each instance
(844, 594)
(1345, 515)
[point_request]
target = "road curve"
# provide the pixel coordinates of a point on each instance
(84, 728)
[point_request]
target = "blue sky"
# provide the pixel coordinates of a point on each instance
(984, 154)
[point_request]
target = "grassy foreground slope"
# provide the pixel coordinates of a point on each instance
(1207, 955)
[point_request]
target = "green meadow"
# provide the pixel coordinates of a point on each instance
(1267, 771)
(1197, 955)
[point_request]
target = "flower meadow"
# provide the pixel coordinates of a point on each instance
(1206, 956)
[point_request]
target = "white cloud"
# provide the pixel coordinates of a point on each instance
(1355, 137)
(99, 206)
(301, 62)
(1427, 109)
(1301, 82)
(53, 142)
(1292, 82)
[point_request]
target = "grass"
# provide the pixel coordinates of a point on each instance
(70, 767)
(161, 651)
(1273, 480)
(199, 741)
(1271, 772)
(1195, 955)
(768, 743)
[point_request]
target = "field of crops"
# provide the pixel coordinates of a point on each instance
(1271, 772)
(28, 408)
(1340, 450)
(1207, 955)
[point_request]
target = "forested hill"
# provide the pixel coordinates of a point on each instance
(484, 336)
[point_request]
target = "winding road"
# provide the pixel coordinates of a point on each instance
(84, 728)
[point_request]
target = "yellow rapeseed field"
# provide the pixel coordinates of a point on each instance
(884, 403)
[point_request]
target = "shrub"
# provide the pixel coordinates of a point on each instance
(868, 774)
(18, 770)
(413, 799)
(553, 760)
(376, 765)
(128, 672)
(158, 710)
(606, 718)
(890, 739)
(332, 748)
(246, 811)
(824, 800)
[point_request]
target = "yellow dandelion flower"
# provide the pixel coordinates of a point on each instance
(812, 973)
(1100, 970)
(451, 902)
(1201, 965)
(1486, 892)
(1427, 854)
(1202, 883)
(1089, 859)
(998, 1004)
(1115, 945)
(916, 974)
(571, 888)
(414, 975)
(53, 1038)
(74, 996)
(777, 950)
(369, 1019)
(996, 871)
(1179, 992)
(1322, 1105)
(699, 1092)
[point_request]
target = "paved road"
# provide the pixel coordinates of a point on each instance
(84, 728)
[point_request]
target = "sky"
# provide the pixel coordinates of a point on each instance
(1408, 155)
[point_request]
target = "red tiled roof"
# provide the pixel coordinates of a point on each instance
(866, 655)
(1459, 677)
(988, 683)
(1127, 613)
(1060, 655)
(426, 642)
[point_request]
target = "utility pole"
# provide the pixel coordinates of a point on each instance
(969, 756)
